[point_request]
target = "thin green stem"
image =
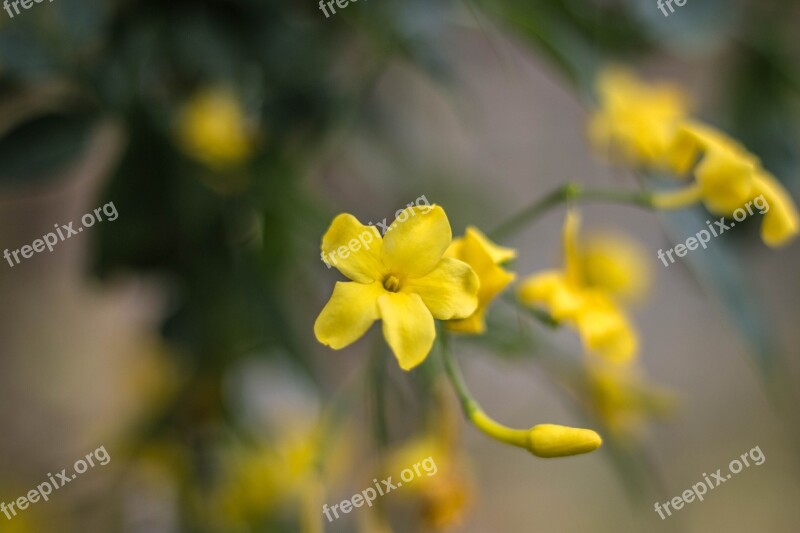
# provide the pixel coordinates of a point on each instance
(468, 404)
(472, 410)
(569, 192)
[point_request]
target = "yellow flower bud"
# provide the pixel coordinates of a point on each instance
(550, 440)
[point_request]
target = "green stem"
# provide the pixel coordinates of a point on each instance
(472, 410)
(569, 192)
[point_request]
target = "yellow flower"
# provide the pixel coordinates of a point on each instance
(402, 279)
(583, 294)
(729, 179)
(444, 487)
(615, 264)
(619, 397)
(212, 129)
(485, 258)
(635, 121)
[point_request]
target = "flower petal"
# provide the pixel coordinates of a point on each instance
(449, 291)
(605, 329)
(474, 324)
(407, 326)
(416, 241)
(354, 249)
(726, 179)
(498, 254)
(615, 264)
(551, 289)
(349, 313)
(781, 222)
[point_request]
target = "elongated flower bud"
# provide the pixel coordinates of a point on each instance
(550, 440)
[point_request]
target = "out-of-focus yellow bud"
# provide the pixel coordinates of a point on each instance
(550, 440)
(212, 129)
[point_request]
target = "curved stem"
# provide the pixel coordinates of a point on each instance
(570, 192)
(472, 410)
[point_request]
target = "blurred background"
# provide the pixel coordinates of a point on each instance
(229, 133)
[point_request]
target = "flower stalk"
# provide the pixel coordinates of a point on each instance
(569, 192)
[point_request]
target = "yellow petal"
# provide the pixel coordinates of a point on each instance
(474, 324)
(550, 440)
(726, 179)
(605, 329)
(354, 249)
(616, 265)
(449, 291)
(484, 257)
(407, 326)
(551, 289)
(416, 241)
(726, 171)
(780, 214)
(497, 254)
(349, 313)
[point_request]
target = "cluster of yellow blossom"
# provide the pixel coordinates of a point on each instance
(649, 126)
(417, 273)
(414, 274)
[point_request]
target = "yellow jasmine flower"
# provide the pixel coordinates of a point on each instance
(635, 121)
(402, 279)
(583, 294)
(212, 128)
(268, 479)
(623, 400)
(615, 264)
(444, 488)
(729, 178)
(485, 258)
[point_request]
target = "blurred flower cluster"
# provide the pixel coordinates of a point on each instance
(221, 122)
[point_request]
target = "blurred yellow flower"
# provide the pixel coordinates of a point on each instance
(615, 264)
(282, 478)
(444, 493)
(583, 294)
(212, 128)
(485, 258)
(402, 278)
(635, 121)
(445, 489)
(623, 400)
(728, 178)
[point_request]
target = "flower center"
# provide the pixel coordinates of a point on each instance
(391, 283)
